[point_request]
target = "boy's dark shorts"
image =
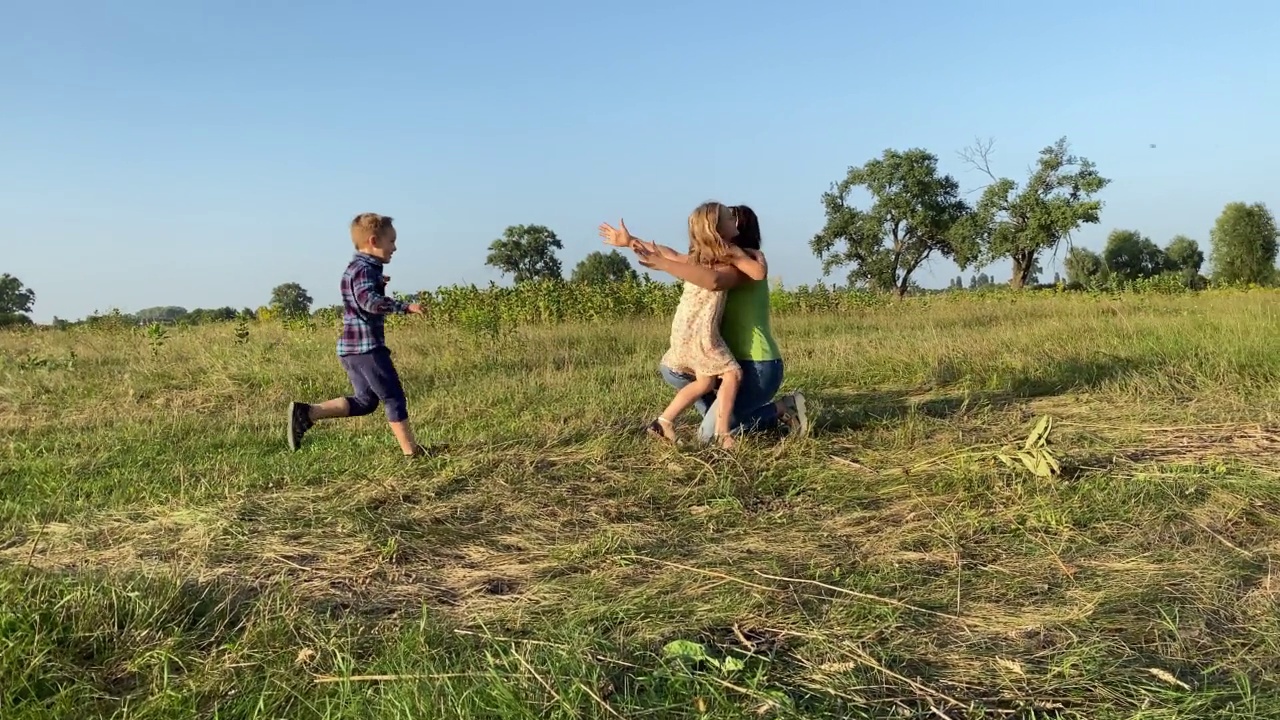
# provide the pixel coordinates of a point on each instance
(374, 378)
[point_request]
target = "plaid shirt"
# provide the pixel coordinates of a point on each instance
(364, 303)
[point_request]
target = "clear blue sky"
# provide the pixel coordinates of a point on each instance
(200, 153)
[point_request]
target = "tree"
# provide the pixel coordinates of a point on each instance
(526, 252)
(914, 213)
(1131, 255)
(290, 300)
(210, 315)
(1185, 258)
(979, 281)
(16, 300)
(1184, 254)
(1244, 244)
(599, 268)
(1019, 223)
(1083, 266)
(163, 313)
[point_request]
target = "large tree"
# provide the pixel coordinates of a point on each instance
(1021, 222)
(914, 213)
(1244, 244)
(290, 300)
(526, 252)
(1131, 255)
(602, 268)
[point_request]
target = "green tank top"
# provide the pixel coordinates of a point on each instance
(745, 325)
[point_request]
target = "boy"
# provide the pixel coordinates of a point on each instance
(361, 346)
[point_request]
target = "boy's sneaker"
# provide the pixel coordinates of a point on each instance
(299, 423)
(794, 414)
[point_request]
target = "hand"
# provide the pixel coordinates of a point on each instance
(648, 259)
(735, 252)
(617, 237)
(415, 309)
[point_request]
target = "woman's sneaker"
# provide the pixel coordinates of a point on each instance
(794, 414)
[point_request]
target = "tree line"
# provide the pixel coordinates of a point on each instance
(1243, 245)
(915, 214)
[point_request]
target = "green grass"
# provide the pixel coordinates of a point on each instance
(163, 556)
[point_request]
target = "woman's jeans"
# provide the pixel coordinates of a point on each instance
(753, 409)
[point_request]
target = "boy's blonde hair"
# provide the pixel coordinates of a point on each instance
(706, 247)
(366, 224)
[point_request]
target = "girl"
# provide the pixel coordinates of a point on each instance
(696, 347)
(745, 327)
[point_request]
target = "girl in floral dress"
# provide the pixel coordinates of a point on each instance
(696, 347)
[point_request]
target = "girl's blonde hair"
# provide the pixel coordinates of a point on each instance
(706, 247)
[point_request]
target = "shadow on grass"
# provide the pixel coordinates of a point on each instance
(1073, 374)
(856, 410)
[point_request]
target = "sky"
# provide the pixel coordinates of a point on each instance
(200, 153)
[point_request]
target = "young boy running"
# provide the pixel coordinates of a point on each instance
(362, 349)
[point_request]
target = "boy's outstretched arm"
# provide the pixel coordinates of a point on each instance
(369, 296)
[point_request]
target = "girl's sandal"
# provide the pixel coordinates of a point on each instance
(661, 429)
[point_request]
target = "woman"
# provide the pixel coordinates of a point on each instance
(745, 328)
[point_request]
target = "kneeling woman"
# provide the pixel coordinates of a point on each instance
(745, 327)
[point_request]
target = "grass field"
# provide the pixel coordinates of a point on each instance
(164, 556)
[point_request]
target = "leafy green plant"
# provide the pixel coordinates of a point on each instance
(299, 323)
(690, 656)
(156, 335)
(1034, 455)
(697, 653)
(242, 331)
(482, 322)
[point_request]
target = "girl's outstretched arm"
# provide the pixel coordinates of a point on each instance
(750, 262)
(621, 237)
(720, 277)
